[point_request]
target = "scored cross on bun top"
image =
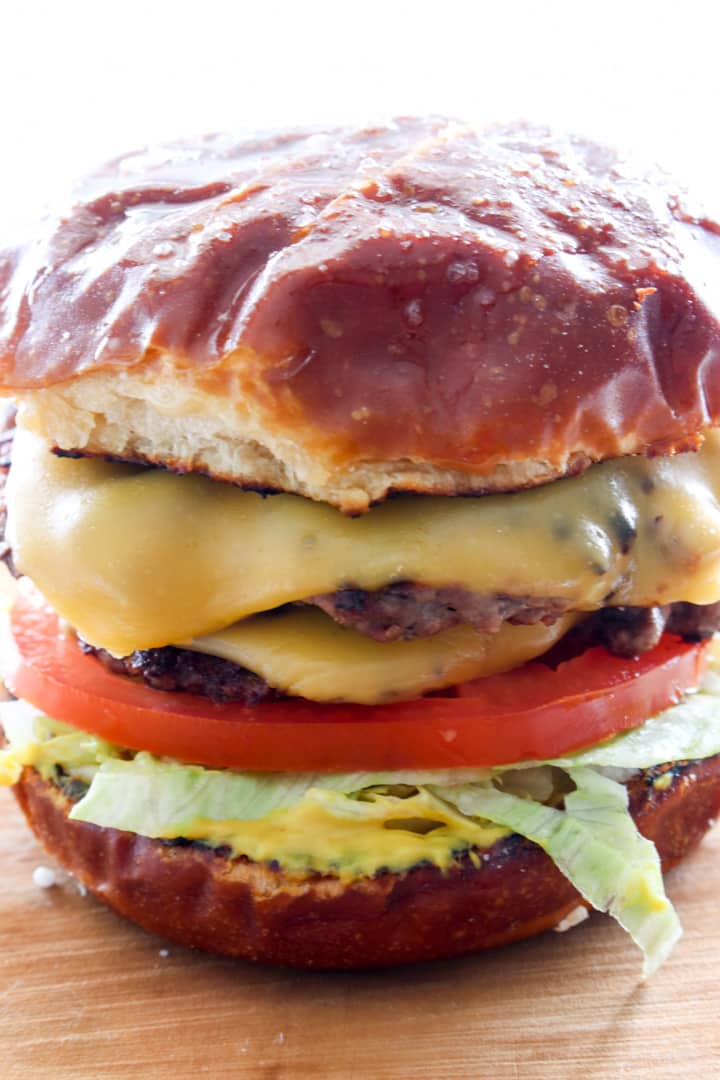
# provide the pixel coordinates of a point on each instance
(417, 306)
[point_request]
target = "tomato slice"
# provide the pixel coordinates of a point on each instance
(532, 713)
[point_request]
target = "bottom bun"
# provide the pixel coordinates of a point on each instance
(198, 897)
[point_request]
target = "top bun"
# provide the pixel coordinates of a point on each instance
(417, 306)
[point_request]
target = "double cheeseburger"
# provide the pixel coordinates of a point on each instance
(365, 489)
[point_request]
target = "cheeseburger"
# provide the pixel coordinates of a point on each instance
(364, 494)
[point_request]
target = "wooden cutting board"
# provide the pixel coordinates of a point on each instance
(83, 994)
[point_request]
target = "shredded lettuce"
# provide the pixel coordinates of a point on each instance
(685, 732)
(154, 797)
(33, 738)
(596, 845)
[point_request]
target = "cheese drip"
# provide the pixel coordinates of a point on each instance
(140, 558)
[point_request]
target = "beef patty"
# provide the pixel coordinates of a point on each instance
(625, 631)
(183, 670)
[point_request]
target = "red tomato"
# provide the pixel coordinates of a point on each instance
(532, 713)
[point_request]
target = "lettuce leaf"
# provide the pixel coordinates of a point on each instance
(38, 740)
(684, 732)
(594, 842)
(154, 797)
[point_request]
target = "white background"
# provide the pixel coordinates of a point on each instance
(82, 81)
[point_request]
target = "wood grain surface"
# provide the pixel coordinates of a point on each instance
(83, 994)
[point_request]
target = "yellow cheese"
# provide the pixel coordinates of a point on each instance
(136, 558)
(304, 653)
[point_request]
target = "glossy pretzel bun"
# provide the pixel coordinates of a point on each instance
(196, 897)
(418, 306)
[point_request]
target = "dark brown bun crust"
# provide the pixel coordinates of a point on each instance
(419, 294)
(197, 897)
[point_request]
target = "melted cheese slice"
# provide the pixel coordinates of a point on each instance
(305, 654)
(140, 558)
